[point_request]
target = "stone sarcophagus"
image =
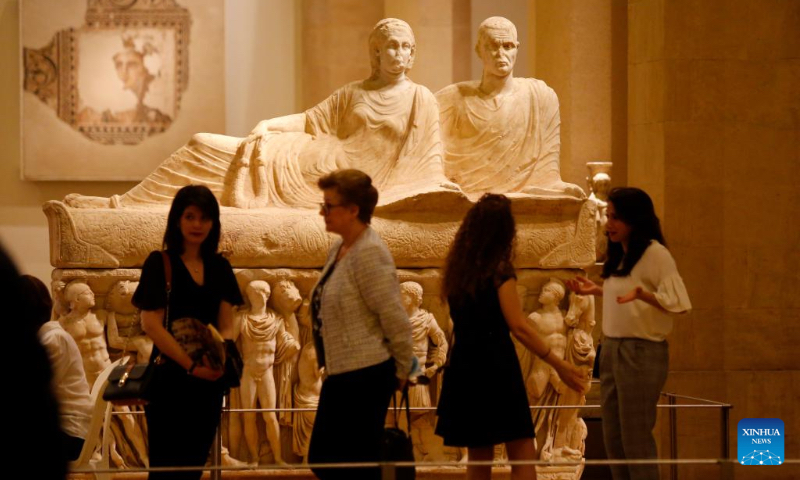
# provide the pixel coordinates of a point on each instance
(431, 157)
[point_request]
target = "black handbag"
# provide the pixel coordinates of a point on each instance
(596, 366)
(130, 383)
(396, 444)
(234, 365)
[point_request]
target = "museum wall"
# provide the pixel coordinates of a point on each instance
(714, 117)
(281, 57)
(261, 60)
(696, 102)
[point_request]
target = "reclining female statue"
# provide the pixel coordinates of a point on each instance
(386, 126)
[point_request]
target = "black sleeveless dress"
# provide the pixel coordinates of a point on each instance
(483, 400)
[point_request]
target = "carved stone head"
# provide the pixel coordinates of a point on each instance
(119, 297)
(381, 33)
(497, 45)
(552, 292)
(79, 296)
(411, 293)
(287, 297)
(258, 292)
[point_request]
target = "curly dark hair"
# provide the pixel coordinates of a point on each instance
(635, 208)
(201, 197)
(482, 246)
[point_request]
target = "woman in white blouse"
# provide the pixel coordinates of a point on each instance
(641, 292)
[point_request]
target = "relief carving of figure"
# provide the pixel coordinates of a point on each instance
(123, 326)
(306, 395)
(502, 134)
(543, 384)
(128, 447)
(386, 126)
(599, 180)
(570, 430)
(430, 347)
(264, 343)
(85, 328)
(286, 301)
(304, 322)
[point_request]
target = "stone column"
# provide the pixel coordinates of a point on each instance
(442, 31)
(333, 44)
(575, 46)
(334, 34)
(714, 96)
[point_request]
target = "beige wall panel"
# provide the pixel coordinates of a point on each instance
(762, 216)
(646, 160)
(701, 270)
(646, 92)
(762, 29)
(745, 144)
(591, 85)
(762, 339)
(689, 342)
(334, 45)
(261, 62)
(696, 156)
(646, 31)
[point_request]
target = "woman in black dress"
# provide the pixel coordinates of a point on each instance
(483, 401)
(186, 401)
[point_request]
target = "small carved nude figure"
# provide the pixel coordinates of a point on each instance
(88, 332)
(85, 328)
(543, 384)
(264, 343)
(549, 323)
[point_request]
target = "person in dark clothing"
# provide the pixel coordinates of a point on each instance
(483, 401)
(35, 423)
(186, 400)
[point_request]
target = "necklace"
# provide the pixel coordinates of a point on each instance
(194, 267)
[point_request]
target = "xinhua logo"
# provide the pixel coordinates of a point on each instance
(760, 441)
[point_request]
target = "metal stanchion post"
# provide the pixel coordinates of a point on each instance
(388, 472)
(673, 437)
(726, 446)
(216, 448)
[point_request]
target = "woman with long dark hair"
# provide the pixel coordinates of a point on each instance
(186, 401)
(642, 288)
(483, 401)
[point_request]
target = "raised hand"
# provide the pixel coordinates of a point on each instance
(583, 286)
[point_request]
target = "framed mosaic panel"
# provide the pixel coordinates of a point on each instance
(111, 88)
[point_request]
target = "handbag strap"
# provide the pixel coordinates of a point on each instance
(403, 399)
(168, 283)
(158, 358)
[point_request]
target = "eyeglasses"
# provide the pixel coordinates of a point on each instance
(326, 207)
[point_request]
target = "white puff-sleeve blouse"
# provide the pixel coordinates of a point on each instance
(656, 273)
